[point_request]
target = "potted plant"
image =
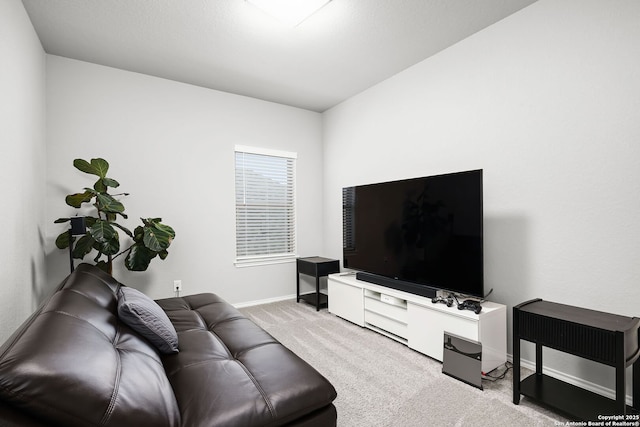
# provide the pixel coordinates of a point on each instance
(148, 240)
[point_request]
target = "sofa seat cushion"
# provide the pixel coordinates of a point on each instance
(74, 363)
(230, 372)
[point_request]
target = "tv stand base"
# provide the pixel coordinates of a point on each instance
(416, 321)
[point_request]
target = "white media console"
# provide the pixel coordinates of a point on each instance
(416, 321)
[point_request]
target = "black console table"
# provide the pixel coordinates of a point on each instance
(317, 267)
(605, 338)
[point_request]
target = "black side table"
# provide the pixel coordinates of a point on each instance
(606, 338)
(317, 267)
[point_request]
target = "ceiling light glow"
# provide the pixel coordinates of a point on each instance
(290, 12)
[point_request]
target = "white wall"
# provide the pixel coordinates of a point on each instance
(547, 102)
(22, 150)
(171, 146)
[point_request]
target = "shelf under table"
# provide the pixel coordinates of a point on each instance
(573, 401)
(311, 298)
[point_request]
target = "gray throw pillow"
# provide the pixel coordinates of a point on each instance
(146, 317)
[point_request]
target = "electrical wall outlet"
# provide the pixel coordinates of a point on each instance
(177, 285)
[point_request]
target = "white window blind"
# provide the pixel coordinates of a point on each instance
(265, 206)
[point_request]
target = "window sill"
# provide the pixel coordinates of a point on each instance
(255, 262)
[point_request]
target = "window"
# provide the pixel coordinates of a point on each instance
(265, 206)
(348, 212)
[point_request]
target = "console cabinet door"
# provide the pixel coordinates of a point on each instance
(427, 327)
(346, 301)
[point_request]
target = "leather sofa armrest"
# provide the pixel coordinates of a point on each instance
(9, 417)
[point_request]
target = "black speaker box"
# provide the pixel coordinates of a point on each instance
(462, 359)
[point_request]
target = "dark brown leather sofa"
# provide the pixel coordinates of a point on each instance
(75, 363)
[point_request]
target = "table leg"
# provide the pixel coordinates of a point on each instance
(516, 358)
(621, 393)
(317, 293)
(538, 359)
(635, 389)
(297, 287)
(621, 386)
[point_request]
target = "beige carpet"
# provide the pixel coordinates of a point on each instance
(383, 383)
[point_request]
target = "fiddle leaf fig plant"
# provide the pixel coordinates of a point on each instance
(148, 240)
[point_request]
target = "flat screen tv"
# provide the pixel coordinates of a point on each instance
(418, 235)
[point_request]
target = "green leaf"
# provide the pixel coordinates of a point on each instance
(61, 220)
(139, 258)
(150, 240)
(102, 184)
(166, 229)
(138, 234)
(158, 237)
(84, 245)
(126, 230)
(90, 220)
(62, 241)
(97, 167)
(107, 203)
(107, 240)
(110, 182)
(102, 231)
(104, 266)
(109, 247)
(163, 254)
(99, 186)
(76, 200)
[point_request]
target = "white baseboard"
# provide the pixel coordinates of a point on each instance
(570, 379)
(263, 301)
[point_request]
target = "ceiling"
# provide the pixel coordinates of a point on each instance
(229, 45)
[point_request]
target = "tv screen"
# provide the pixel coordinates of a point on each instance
(426, 231)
